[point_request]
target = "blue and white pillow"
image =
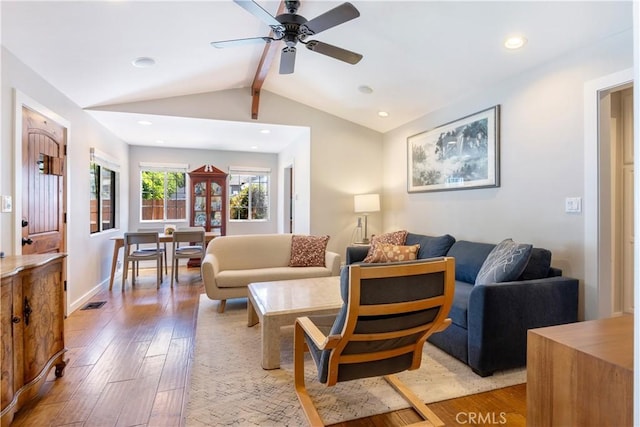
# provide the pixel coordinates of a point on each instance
(505, 262)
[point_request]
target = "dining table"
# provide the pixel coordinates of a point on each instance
(118, 242)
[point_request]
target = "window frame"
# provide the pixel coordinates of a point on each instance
(166, 169)
(99, 163)
(249, 171)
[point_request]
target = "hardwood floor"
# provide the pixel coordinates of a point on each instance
(129, 365)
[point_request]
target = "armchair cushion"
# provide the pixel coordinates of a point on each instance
(505, 262)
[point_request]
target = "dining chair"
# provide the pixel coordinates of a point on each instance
(133, 255)
(195, 239)
(163, 249)
(389, 310)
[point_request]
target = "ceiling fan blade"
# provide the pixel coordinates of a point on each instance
(336, 16)
(334, 52)
(287, 60)
(241, 42)
(256, 10)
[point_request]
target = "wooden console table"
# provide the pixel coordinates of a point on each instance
(581, 374)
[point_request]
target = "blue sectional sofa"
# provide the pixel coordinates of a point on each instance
(490, 321)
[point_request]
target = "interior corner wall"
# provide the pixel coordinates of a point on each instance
(335, 175)
(541, 161)
(88, 256)
(195, 158)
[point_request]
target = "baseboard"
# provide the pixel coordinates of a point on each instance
(75, 305)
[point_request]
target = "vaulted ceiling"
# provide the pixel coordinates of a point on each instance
(418, 55)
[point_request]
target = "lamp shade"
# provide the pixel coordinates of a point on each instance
(366, 203)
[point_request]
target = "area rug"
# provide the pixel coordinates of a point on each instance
(228, 387)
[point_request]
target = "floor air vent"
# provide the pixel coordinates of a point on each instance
(93, 305)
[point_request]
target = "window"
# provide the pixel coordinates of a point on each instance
(163, 195)
(103, 179)
(249, 194)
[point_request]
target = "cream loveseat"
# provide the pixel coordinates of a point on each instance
(232, 262)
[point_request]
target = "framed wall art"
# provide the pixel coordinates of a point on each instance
(459, 155)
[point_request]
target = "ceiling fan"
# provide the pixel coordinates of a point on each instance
(293, 28)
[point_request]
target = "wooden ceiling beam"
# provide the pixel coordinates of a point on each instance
(266, 60)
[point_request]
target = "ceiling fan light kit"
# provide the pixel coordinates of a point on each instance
(292, 28)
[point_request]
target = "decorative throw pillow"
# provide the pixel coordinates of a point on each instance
(505, 262)
(386, 252)
(308, 251)
(395, 238)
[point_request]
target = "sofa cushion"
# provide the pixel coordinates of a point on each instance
(538, 265)
(241, 278)
(430, 246)
(247, 251)
(386, 252)
(308, 251)
(395, 238)
(469, 258)
(506, 262)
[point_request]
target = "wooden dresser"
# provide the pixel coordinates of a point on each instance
(581, 374)
(31, 327)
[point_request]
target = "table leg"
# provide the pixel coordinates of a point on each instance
(270, 343)
(252, 316)
(114, 261)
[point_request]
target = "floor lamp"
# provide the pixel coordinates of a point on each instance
(366, 204)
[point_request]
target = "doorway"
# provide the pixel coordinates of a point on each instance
(288, 200)
(609, 196)
(44, 146)
(40, 181)
(617, 104)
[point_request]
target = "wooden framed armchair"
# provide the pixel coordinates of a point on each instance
(389, 311)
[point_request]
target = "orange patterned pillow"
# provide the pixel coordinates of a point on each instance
(308, 251)
(394, 238)
(386, 252)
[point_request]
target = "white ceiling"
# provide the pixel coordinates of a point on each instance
(418, 56)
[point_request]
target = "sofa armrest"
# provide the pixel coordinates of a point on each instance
(499, 315)
(356, 254)
(332, 262)
(209, 268)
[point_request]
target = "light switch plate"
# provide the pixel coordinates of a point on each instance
(573, 205)
(7, 204)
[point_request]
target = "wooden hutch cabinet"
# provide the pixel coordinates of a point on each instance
(209, 199)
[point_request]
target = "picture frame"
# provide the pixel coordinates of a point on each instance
(459, 155)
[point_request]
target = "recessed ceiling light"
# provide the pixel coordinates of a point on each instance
(144, 122)
(265, 131)
(143, 62)
(254, 147)
(515, 42)
(159, 141)
(365, 89)
(383, 114)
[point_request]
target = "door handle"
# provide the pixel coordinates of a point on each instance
(24, 223)
(26, 241)
(26, 311)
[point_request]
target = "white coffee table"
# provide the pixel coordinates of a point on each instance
(279, 303)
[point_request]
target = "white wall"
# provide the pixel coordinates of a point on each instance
(89, 257)
(541, 161)
(345, 158)
(195, 159)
